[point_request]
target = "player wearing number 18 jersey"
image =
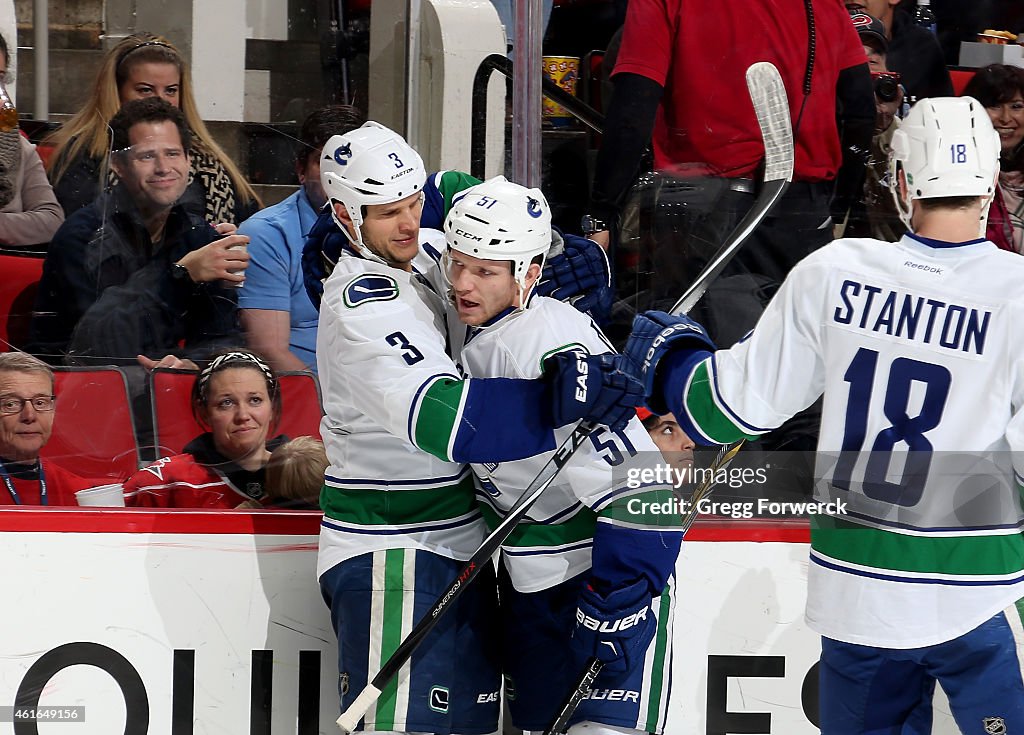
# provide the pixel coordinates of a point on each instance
(918, 348)
(589, 572)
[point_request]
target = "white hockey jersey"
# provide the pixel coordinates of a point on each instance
(555, 542)
(383, 369)
(916, 345)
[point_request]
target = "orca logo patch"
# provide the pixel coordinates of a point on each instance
(369, 288)
(439, 699)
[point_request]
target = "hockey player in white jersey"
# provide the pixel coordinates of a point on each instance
(589, 573)
(918, 348)
(399, 506)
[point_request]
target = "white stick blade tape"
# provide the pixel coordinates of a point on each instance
(350, 718)
(771, 105)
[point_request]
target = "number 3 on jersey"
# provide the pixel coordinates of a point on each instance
(910, 430)
(409, 353)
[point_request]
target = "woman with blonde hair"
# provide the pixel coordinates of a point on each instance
(145, 65)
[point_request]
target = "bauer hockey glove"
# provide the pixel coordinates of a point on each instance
(592, 388)
(654, 335)
(578, 272)
(616, 628)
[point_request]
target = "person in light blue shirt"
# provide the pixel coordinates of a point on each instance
(278, 318)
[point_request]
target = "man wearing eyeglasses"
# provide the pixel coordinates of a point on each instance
(26, 419)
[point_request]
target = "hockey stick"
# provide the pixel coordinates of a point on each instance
(765, 84)
(771, 105)
(593, 667)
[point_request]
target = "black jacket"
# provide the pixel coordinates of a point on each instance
(915, 53)
(107, 294)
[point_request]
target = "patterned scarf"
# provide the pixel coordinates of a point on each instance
(220, 192)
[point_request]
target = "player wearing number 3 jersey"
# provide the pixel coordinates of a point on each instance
(400, 423)
(918, 348)
(589, 572)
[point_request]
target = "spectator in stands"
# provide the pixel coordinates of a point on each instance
(876, 216)
(29, 212)
(675, 445)
(913, 51)
(26, 420)
(145, 65)
(134, 274)
(1000, 88)
(707, 139)
(278, 318)
(236, 397)
(295, 475)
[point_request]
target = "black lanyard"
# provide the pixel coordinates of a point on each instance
(14, 493)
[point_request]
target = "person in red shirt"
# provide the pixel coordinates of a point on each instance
(27, 401)
(679, 82)
(238, 399)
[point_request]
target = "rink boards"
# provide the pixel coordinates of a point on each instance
(211, 622)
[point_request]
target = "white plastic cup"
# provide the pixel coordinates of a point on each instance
(104, 495)
(231, 284)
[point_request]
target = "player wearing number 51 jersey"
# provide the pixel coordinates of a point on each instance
(918, 348)
(589, 572)
(400, 423)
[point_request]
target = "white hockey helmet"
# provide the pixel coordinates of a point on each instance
(500, 220)
(946, 147)
(369, 165)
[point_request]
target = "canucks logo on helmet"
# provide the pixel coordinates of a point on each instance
(533, 208)
(342, 154)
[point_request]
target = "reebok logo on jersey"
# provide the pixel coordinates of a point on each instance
(581, 378)
(368, 288)
(610, 626)
(923, 267)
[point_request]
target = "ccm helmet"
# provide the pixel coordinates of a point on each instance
(369, 165)
(500, 220)
(946, 147)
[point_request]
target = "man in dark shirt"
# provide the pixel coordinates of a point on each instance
(133, 274)
(913, 51)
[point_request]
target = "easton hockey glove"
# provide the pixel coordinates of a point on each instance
(592, 388)
(579, 273)
(616, 629)
(655, 334)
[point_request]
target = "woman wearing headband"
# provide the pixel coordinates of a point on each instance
(237, 399)
(145, 65)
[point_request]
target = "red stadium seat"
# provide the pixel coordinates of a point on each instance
(93, 434)
(960, 79)
(19, 279)
(174, 426)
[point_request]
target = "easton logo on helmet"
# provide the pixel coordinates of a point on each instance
(342, 153)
